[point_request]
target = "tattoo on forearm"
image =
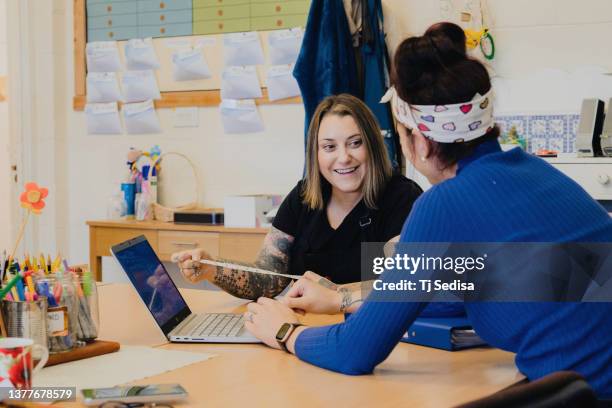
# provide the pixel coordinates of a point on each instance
(274, 256)
(347, 299)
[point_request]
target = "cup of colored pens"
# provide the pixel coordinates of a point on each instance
(87, 297)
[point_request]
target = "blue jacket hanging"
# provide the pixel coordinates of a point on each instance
(326, 64)
(376, 74)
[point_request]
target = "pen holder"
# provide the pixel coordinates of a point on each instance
(26, 319)
(62, 313)
(88, 315)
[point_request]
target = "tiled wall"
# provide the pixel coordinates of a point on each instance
(554, 132)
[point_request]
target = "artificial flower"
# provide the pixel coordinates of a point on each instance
(32, 197)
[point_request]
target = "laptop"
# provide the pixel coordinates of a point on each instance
(168, 308)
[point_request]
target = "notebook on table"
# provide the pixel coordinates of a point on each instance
(165, 303)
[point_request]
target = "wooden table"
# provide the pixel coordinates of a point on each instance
(254, 375)
(239, 244)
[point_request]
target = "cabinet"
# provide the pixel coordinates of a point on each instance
(237, 244)
(593, 174)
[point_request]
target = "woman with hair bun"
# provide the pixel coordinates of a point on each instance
(443, 103)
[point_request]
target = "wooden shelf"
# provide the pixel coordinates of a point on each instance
(192, 98)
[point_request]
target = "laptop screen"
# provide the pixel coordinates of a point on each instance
(152, 282)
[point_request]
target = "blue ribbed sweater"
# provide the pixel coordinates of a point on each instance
(495, 197)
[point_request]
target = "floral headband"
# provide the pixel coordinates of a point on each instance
(456, 123)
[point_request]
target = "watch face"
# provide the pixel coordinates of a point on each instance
(282, 332)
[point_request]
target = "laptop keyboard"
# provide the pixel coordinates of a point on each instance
(213, 325)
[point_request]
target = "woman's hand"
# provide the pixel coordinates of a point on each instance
(312, 293)
(191, 267)
(265, 317)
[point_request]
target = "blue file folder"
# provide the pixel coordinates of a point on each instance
(447, 333)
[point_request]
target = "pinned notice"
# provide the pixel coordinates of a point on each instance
(140, 118)
(102, 118)
(189, 65)
(242, 49)
(140, 54)
(102, 87)
(281, 83)
(285, 45)
(139, 86)
(240, 83)
(102, 56)
(240, 116)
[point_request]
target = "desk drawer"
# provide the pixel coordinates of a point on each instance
(277, 22)
(102, 239)
(123, 20)
(279, 8)
(163, 5)
(109, 8)
(213, 3)
(109, 34)
(240, 247)
(166, 17)
(221, 13)
(175, 241)
(165, 30)
(595, 178)
(220, 26)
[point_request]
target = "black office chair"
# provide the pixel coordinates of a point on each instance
(562, 389)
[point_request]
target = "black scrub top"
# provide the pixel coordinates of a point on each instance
(336, 254)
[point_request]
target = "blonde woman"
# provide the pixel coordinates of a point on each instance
(349, 196)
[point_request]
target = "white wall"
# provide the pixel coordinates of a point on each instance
(530, 36)
(5, 191)
(550, 54)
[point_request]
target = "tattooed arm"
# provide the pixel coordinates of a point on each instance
(274, 256)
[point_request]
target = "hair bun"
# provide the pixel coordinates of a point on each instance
(435, 68)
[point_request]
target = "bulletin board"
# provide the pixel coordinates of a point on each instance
(205, 92)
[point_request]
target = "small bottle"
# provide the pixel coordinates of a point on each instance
(153, 184)
(129, 193)
(117, 207)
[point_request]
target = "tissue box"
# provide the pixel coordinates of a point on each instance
(248, 210)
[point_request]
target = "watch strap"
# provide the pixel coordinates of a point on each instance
(282, 342)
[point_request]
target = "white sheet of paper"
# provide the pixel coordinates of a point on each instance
(102, 87)
(205, 42)
(188, 65)
(140, 54)
(102, 118)
(281, 83)
(129, 364)
(102, 56)
(240, 83)
(178, 42)
(140, 118)
(139, 86)
(240, 116)
(242, 49)
(285, 45)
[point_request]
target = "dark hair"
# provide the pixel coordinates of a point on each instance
(434, 69)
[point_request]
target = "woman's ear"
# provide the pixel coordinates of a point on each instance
(422, 149)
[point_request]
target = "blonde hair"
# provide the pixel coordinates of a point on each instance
(378, 164)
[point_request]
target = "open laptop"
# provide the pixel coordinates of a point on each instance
(161, 296)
